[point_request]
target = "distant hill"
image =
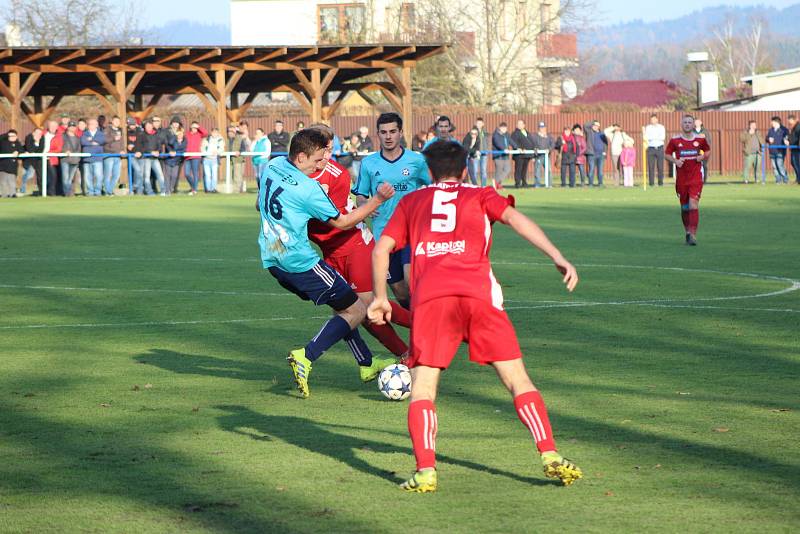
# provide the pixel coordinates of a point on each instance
(655, 50)
(187, 33)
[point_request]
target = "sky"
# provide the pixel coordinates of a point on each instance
(156, 12)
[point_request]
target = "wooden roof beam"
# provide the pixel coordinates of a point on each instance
(367, 53)
(108, 85)
(304, 54)
(141, 55)
(247, 52)
(44, 52)
(8, 52)
(75, 54)
(271, 55)
(404, 52)
(29, 83)
(114, 52)
(209, 84)
(327, 80)
(173, 56)
(334, 53)
(216, 52)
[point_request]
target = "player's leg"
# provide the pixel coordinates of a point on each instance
(532, 412)
(693, 218)
(436, 332)
(398, 279)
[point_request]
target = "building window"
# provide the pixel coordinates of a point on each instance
(547, 17)
(340, 23)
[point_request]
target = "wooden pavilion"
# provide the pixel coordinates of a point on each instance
(130, 80)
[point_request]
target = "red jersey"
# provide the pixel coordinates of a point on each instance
(692, 169)
(333, 242)
(448, 226)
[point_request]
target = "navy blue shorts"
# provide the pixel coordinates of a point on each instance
(396, 262)
(321, 285)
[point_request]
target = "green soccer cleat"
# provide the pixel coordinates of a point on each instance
(301, 368)
(421, 482)
(370, 373)
(556, 466)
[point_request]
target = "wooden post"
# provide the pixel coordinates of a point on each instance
(222, 119)
(316, 96)
(408, 117)
(16, 109)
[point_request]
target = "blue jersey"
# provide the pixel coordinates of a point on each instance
(406, 174)
(287, 199)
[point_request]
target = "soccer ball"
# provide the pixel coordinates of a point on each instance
(395, 382)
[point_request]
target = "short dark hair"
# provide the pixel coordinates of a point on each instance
(776, 118)
(445, 159)
(503, 125)
(791, 117)
(278, 121)
(12, 131)
(480, 119)
(326, 130)
(307, 141)
(388, 118)
(751, 121)
(444, 118)
(653, 116)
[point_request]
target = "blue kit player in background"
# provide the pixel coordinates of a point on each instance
(405, 171)
(287, 200)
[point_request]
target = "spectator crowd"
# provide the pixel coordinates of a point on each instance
(91, 154)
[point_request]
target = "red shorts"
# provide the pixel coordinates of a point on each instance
(687, 190)
(355, 267)
(440, 325)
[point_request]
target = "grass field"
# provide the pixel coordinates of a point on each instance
(143, 386)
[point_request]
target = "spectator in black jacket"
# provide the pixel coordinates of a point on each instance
(9, 144)
(279, 140)
(147, 151)
(131, 144)
(34, 144)
(794, 142)
(778, 139)
(568, 148)
(501, 142)
(472, 143)
(522, 141)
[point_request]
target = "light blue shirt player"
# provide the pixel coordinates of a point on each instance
(287, 200)
(405, 174)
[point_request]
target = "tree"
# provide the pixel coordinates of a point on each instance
(493, 58)
(73, 22)
(737, 52)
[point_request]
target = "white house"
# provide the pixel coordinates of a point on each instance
(771, 91)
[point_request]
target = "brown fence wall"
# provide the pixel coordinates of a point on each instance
(724, 127)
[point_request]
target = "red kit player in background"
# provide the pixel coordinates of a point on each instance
(688, 151)
(350, 253)
(456, 298)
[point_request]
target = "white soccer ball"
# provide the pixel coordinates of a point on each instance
(395, 382)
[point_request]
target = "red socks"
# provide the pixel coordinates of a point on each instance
(422, 426)
(533, 414)
(400, 315)
(690, 220)
(388, 337)
(694, 219)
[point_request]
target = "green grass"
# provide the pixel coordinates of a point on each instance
(163, 402)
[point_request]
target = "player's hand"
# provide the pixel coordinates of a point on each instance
(679, 163)
(385, 192)
(379, 312)
(569, 272)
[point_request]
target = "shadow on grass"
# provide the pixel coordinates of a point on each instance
(320, 438)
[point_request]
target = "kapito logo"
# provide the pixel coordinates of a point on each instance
(432, 249)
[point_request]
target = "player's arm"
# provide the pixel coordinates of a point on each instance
(380, 311)
(669, 156)
(536, 236)
(349, 220)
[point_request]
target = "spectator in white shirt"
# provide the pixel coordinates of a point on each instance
(655, 135)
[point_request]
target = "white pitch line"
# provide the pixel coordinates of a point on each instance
(153, 323)
(152, 290)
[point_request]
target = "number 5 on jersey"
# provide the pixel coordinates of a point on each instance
(442, 206)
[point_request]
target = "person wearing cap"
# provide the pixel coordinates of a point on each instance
(92, 142)
(70, 163)
(501, 145)
(114, 144)
(543, 144)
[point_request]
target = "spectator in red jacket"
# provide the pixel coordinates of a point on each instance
(194, 140)
(53, 143)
